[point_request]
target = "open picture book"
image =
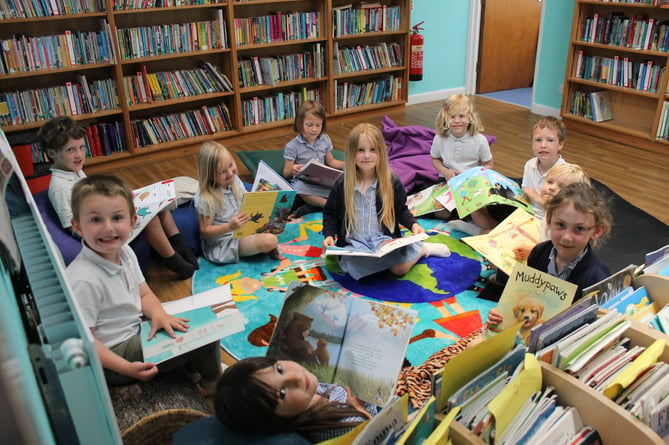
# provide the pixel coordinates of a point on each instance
(149, 201)
(469, 191)
(268, 204)
(329, 334)
(518, 230)
(317, 173)
(211, 316)
(383, 250)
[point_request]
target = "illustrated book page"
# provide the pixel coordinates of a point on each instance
(315, 172)
(211, 316)
(329, 333)
(530, 297)
(149, 201)
(478, 187)
(383, 250)
(430, 200)
(520, 229)
(268, 204)
(601, 106)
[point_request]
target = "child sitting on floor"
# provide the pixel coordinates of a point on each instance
(64, 141)
(263, 395)
(111, 293)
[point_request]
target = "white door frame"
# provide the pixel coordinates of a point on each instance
(473, 37)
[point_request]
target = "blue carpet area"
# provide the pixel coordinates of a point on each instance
(518, 96)
(444, 291)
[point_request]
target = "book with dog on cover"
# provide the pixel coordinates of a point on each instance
(329, 334)
(531, 296)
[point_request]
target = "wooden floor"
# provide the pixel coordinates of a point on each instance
(638, 176)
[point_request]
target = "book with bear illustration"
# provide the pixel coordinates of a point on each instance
(329, 334)
(531, 296)
(268, 204)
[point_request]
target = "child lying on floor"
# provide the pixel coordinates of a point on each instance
(261, 394)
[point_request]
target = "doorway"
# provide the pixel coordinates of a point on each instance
(502, 44)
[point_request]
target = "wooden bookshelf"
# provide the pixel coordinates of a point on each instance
(606, 36)
(158, 40)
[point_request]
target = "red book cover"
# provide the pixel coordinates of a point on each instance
(98, 141)
(147, 88)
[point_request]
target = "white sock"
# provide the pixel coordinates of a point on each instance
(465, 227)
(437, 250)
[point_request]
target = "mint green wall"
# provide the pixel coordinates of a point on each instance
(445, 52)
(553, 56)
(445, 49)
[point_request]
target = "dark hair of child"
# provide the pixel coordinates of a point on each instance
(586, 199)
(55, 133)
(106, 185)
(315, 109)
(245, 404)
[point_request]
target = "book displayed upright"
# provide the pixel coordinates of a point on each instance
(268, 204)
(329, 334)
(601, 106)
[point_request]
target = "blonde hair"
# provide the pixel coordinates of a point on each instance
(312, 107)
(210, 158)
(569, 173)
(552, 123)
(453, 104)
(383, 176)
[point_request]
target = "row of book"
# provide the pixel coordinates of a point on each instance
(25, 9)
(255, 71)
(278, 107)
(368, 57)
(105, 138)
(172, 38)
(663, 126)
(72, 48)
(639, 32)
(167, 128)
(595, 105)
(349, 94)
(121, 5)
(148, 87)
(373, 17)
(277, 27)
(71, 99)
(643, 75)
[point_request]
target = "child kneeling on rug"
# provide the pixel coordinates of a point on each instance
(263, 395)
(366, 207)
(111, 294)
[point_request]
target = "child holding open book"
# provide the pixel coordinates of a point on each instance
(263, 395)
(218, 202)
(311, 142)
(366, 207)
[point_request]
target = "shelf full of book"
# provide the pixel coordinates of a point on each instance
(170, 74)
(618, 53)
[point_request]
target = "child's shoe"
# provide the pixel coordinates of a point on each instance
(437, 250)
(177, 264)
(180, 245)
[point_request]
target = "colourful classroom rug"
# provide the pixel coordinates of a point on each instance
(442, 290)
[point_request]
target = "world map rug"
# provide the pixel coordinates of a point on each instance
(443, 291)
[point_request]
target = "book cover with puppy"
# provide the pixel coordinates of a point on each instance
(532, 297)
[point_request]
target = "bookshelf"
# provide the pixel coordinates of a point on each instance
(621, 48)
(167, 75)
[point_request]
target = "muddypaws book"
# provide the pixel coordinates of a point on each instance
(268, 204)
(530, 297)
(329, 334)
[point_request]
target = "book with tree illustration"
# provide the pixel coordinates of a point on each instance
(520, 229)
(530, 297)
(149, 201)
(478, 187)
(211, 316)
(329, 334)
(268, 204)
(432, 199)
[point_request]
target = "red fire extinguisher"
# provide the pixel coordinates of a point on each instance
(416, 67)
